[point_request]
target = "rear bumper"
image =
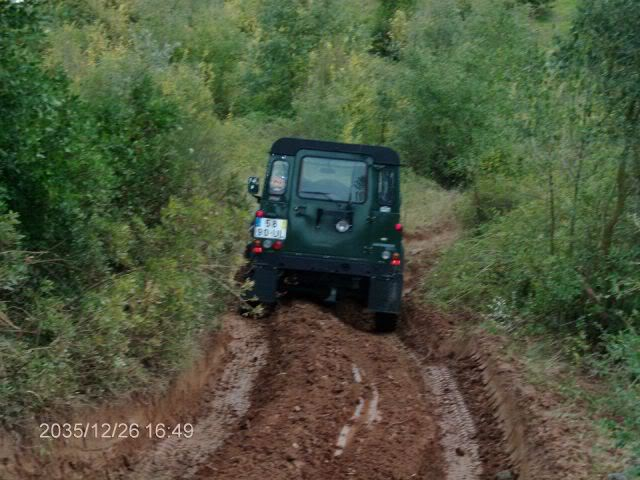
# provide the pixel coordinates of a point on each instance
(384, 281)
(318, 263)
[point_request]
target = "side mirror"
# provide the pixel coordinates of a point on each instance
(253, 186)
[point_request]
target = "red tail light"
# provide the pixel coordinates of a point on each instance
(395, 260)
(398, 227)
(277, 245)
(260, 213)
(257, 247)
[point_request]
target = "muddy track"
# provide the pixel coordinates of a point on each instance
(225, 403)
(311, 392)
(334, 402)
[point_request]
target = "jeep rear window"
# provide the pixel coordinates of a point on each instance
(333, 179)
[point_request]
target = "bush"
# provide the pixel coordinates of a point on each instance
(135, 328)
(117, 229)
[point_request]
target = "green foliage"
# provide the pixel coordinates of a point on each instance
(460, 87)
(426, 203)
(216, 41)
(51, 175)
(287, 33)
(13, 270)
(551, 197)
(340, 103)
(618, 367)
(116, 248)
(605, 41)
(539, 8)
(384, 39)
(137, 131)
(123, 334)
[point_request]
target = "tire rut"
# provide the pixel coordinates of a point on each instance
(335, 402)
(457, 428)
(229, 401)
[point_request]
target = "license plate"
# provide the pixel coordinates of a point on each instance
(275, 228)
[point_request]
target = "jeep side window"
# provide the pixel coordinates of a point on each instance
(386, 186)
(278, 179)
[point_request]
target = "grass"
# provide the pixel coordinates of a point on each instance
(557, 22)
(424, 203)
(592, 397)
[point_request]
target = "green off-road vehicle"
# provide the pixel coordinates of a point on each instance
(329, 223)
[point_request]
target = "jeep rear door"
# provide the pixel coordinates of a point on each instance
(329, 204)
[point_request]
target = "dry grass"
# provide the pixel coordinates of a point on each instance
(425, 204)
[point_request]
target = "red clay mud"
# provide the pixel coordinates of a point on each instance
(334, 402)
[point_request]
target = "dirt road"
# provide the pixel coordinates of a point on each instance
(311, 392)
(329, 400)
(334, 402)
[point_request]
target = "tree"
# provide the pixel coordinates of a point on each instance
(605, 44)
(287, 32)
(539, 8)
(383, 42)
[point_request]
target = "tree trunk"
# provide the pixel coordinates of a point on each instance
(576, 193)
(622, 187)
(552, 214)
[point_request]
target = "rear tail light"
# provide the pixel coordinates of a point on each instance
(395, 260)
(277, 245)
(398, 227)
(257, 247)
(260, 213)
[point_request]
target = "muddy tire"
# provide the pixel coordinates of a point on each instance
(246, 303)
(386, 322)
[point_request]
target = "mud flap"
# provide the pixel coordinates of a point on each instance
(385, 294)
(266, 284)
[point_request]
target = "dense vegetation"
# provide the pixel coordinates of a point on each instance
(116, 218)
(550, 156)
(125, 126)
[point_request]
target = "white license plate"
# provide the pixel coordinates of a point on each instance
(275, 228)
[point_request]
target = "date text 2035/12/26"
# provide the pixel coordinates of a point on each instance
(106, 430)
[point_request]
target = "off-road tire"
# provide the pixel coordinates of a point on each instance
(386, 322)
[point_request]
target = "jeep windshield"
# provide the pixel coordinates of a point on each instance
(333, 179)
